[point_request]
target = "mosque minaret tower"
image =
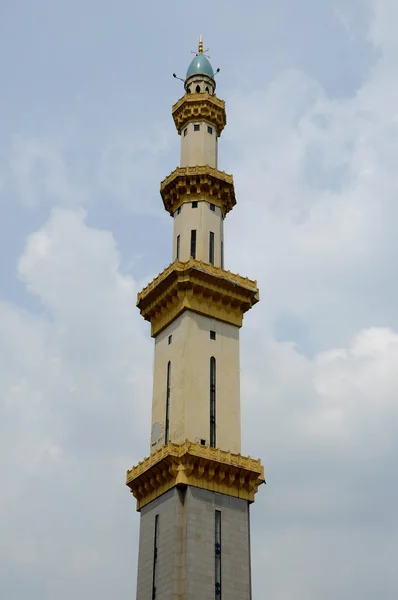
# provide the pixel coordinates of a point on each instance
(195, 489)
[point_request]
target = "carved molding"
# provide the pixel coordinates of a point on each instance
(193, 107)
(200, 287)
(206, 267)
(186, 184)
(200, 466)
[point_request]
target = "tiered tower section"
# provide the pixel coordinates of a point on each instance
(195, 488)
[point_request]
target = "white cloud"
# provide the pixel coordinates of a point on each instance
(38, 171)
(326, 429)
(317, 188)
(73, 383)
(119, 169)
(316, 221)
(130, 168)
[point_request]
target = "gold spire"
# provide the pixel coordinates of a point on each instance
(200, 47)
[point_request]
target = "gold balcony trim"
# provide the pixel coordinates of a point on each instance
(203, 106)
(178, 265)
(186, 184)
(199, 287)
(196, 465)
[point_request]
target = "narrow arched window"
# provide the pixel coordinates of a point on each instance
(213, 402)
(211, 248)
(178, 247)
(193, 243)
(197, 89)
(155, 557)
(217, 547)
(167, 421)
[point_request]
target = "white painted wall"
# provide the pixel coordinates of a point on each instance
(190, 353)
(203, 220)
(200, 82)
(199, 147)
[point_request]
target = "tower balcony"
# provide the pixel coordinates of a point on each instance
(197, 107)
(187, 184)
(200, 287)
(192, 464)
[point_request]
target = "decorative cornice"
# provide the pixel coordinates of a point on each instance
(200, 466)
(186, 184)
(200, 287)
(193, 107)
(207, 268)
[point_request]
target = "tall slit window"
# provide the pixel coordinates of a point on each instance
(178, 247)
(155, 557)
(217, 553)
(213, 402)
(193, 243)
(211, 248)
(167, 421)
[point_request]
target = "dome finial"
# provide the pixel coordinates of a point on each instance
(200, 47)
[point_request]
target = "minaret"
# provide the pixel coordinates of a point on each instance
(195, 488)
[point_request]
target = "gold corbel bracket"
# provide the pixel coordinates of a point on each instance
(200, 287)
(186, 184)
(196, 465)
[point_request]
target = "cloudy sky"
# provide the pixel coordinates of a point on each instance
(86, 135)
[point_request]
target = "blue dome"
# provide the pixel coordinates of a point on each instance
(200, 64)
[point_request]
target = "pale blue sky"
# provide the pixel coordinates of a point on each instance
(86, 136)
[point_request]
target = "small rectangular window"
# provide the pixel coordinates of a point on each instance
(170, 339)
(196, 127)
(209, 129)
(185, 131)
(193, 243)
(211, 248)
(178, 247)
(194, 205)
(212, 335)
(203, 442)
(213, 207)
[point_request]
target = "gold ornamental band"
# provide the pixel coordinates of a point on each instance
(196, 465)
(200, 287)
(186, 184)
(203, 106)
